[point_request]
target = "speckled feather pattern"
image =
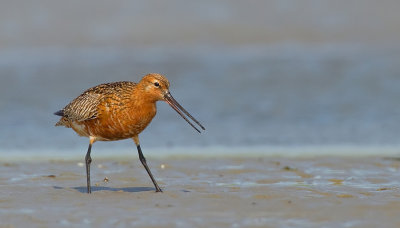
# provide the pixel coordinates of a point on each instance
(85, 106)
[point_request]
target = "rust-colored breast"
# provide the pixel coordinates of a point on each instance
(117, 122)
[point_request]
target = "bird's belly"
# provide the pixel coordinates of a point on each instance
(79, 128)
(114, 127)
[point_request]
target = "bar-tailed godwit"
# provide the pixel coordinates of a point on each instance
(119, 110)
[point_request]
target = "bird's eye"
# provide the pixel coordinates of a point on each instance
(156, 84)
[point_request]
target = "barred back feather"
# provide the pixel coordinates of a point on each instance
(85, 106)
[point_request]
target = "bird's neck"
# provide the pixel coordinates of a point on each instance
(141, 98)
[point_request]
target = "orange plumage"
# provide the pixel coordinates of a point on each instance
(119, 110)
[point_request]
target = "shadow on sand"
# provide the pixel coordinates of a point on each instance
(100, 188)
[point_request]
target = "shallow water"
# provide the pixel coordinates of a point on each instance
(255, 96)
(271, 73)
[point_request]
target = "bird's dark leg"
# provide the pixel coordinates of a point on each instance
(88, 160)
(143, 160)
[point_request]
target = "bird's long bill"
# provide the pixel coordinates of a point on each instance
(179, 109)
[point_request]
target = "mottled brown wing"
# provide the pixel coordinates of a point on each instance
(83, 107)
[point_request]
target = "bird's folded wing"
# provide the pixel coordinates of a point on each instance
(83, 107)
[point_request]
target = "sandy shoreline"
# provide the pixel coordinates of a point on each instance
(207, 192)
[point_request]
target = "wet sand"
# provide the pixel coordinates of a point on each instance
(203, 192)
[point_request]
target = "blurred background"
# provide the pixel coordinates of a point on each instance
(255, 73)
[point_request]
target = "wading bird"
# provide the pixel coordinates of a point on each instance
(119, 110)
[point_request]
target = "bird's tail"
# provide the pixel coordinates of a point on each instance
(59, 113)
(63, 121)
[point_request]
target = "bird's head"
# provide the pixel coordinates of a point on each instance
(156, 87)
